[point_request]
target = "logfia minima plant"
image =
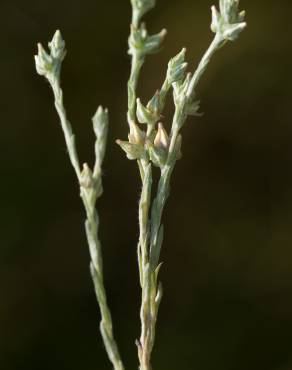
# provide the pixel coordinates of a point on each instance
(149, 144)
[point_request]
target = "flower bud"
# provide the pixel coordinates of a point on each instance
(157, 155)
(154, 104)
(43, 61)
(161, 139)
(86, 180)
(137, 39)
(100, 127)
(232, 32)
(133, 151)
(216, 19)
(57, 46)
(177, 67)
(145, 115)
(180, 89)
(136, 136)
(142, 44)
(153, 43)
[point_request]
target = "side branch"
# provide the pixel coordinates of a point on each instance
(49, 65)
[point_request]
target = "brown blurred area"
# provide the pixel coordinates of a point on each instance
(227, 271)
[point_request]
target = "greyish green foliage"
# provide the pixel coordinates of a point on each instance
(49, 65)
(155, 147)
(150, 147)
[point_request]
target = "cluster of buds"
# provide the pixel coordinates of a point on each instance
(50, 64)
(140, 146)
(176, 76)
(229, 22)
(141, 44)
(154, 145)
(180, 89)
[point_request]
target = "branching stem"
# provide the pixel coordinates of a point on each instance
(89, 182)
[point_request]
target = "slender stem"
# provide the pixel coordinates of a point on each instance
(146, 341)
(178, 121)
(151, 294)
(106, 326)
(89, 196)
(65, 124)
(214, 46)
(144, 267)
(137, 63)
(151, 229)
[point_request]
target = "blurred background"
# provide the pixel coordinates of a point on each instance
(227, 254)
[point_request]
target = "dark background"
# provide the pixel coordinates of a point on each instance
(227, 254)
